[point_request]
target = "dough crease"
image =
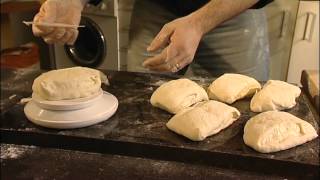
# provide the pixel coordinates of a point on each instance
(274, 131)
(203, 120)
(176, 95)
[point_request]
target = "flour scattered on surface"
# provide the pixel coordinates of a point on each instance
(159, 83)
(201, 81)
(21, 72)
(12, 96)
(26, 129)
(161, 167)
(14, 152)
(11, 153)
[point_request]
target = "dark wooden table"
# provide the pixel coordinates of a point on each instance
(135, 143)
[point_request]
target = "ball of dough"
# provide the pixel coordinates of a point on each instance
(275, 95)
(229, 88)
(69, 83)
(175, 95)
(273, 131)
(203, 120)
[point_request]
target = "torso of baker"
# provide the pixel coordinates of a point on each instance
(239, 45)
(185, 7)
(193, 38)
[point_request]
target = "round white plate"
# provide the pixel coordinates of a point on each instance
(99, 111)
(66, 105)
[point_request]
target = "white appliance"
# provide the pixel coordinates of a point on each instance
(97, 44)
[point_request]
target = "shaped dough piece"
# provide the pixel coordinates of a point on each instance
(273, 131)
(175, 95)
(275, 95)
(229, 88)
(69, 83)
(203, 120)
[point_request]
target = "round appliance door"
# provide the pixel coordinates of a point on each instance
(90, 48)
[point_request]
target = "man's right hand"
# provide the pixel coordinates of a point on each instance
(58, 11)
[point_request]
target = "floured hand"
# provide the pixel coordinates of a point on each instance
(180, 39)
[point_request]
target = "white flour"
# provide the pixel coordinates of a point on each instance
(159, 83)
(13, 152)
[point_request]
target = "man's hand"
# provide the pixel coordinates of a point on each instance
(180, 39)
(59, 11)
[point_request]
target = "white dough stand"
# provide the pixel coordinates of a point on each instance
(68, 114)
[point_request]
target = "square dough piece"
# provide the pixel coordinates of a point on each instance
(175, 95)
(274, 131)
(229, 88)
(203, 120)
(68, 83)
(275, 95)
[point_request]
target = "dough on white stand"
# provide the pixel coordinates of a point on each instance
(69, 83)
(175, 95)
(275, 95)
(229, 88)
(273, 131)
(203, 120)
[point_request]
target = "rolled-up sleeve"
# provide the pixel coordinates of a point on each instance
(94, 2)
(261, 4)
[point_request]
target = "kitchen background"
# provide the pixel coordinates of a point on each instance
(293, 35)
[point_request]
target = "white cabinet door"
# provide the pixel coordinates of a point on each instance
(281, 15)
(305, 47)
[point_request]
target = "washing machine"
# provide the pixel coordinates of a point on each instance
(97, 45)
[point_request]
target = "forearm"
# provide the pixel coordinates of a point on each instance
(82, 1)
(218, 11)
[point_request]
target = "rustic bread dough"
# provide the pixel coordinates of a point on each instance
(230, 87)
(176, 95)
(273, 131)
(69, 83)
(203, 120)
(275, 95)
